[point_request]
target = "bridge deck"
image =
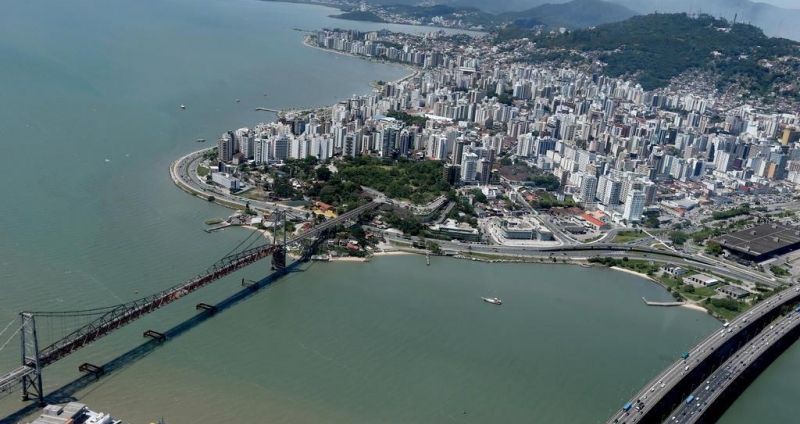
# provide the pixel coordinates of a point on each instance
(662, 385)
(13, 378)
(728, 373)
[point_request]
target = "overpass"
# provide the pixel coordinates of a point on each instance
(104, 320)
(661, 395)
(707, 403)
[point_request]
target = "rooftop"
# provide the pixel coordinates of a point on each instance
(761, 239)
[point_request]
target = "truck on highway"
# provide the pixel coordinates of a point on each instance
(627, 407)
(685, 355)
(689, 399)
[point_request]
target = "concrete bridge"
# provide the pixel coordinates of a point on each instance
(662, 395)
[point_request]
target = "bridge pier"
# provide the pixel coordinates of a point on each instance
(96, 370)
(279, 259)
(206, 307)
(155, 335)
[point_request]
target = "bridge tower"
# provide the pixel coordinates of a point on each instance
(279, 255)
(31, 383)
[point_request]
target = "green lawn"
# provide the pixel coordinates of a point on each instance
(628, 236)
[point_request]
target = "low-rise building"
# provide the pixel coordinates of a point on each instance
(674, 270)
(226, 180)
(733, 292)
(73, 412)
(594, 220)
(453, 230)
(700, 280)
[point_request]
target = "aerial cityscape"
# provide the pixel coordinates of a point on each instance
(569, 212)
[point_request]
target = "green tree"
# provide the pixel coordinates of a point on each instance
(713, 248)
(678, 237)
(323, 173)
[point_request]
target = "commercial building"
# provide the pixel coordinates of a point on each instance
(226, 180)
(515, 229)
(454, 230)
(761, 242)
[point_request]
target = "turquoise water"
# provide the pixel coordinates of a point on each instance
(89, 122)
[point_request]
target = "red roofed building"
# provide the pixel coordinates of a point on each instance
(594, 221)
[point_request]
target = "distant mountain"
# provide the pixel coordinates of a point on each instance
(493, 6)
(655, 48)
(574, 14)
(775, 21)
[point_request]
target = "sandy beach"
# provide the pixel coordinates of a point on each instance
(634, 273)
(348, 259)
(694, 307)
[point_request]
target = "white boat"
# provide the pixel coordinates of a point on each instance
(183, 106)
(492, 300)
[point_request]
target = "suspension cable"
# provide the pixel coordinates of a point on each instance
(10, 338)
(7, 326)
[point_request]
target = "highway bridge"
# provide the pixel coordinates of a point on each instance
(104, 320)
(707, 403)
(657, 400)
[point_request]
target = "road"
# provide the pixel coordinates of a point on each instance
(667, 379)
(692, 409)
(184, 172)
(586, 251)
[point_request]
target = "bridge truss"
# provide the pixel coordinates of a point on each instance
(103, 321)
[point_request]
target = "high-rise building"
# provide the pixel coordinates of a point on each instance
(588, 188)
(388, 139)
(485, 170)
(611, 192)
(458, 151)
(262, 149)
(634, 206)
(280, 148)
(225, 148)
(469, 168)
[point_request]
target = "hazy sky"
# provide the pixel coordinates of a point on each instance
(792, 4)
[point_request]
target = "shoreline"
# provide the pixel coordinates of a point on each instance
(414, 71)
(685, 304)
(341, 10)
(639, 274)
(174, 170)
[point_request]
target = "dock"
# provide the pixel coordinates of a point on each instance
(651, 303)
(218, 227)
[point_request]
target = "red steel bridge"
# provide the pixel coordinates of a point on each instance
(102, 321)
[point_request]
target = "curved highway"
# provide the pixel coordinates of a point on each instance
(653, 391)
(692, 410)
(184, 173)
